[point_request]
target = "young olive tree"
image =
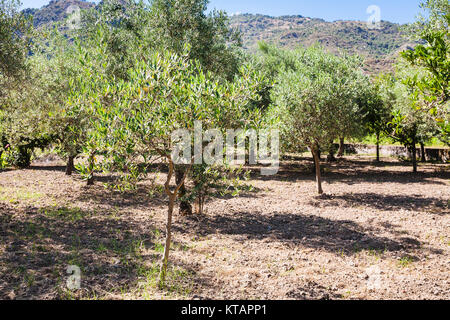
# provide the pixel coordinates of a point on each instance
(59, 57)
(165, 93)
(131, 29)
(175, 23)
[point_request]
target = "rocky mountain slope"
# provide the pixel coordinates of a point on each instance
(378, 46)
(55, 11)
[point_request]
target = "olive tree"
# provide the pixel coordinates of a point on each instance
(375, 112)
(354, 104)
(213, 43)
(313, 90)
(135, 118)
(123, 29)
(40, 111)
(27, 107)
(15, 29)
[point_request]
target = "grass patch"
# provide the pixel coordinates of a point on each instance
(179, 282)
(64, 213)
(159, 247)
(15, 195)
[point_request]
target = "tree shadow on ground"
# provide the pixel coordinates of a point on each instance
(384, 202)
(313, 290)
(336, 236)
(42, 167)
(352, 173)
(113, 254)
(140, 197)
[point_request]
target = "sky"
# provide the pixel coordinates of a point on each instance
(399, 11)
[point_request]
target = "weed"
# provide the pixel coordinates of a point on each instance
(405, 261)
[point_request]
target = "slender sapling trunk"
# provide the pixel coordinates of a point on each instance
(91, 167)
(172, 199)
(165, 260)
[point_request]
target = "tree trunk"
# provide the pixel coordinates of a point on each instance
(185, 206)
(70, 166)
(172, 199)
(165, 261)
(331, 158)
(378, 146)
(315, 154)
(91, 166)
(414, 156)
(331, 152)
(341, 147)
(422, 152)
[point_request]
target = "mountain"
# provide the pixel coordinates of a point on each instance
(378, 46)
(55, 11)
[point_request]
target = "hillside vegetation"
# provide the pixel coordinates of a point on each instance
(379, 46)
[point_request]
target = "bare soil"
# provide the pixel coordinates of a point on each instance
(379, 232)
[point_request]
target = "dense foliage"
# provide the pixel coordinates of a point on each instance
(433, 57)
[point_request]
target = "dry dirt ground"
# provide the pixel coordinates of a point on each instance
(380, 232)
